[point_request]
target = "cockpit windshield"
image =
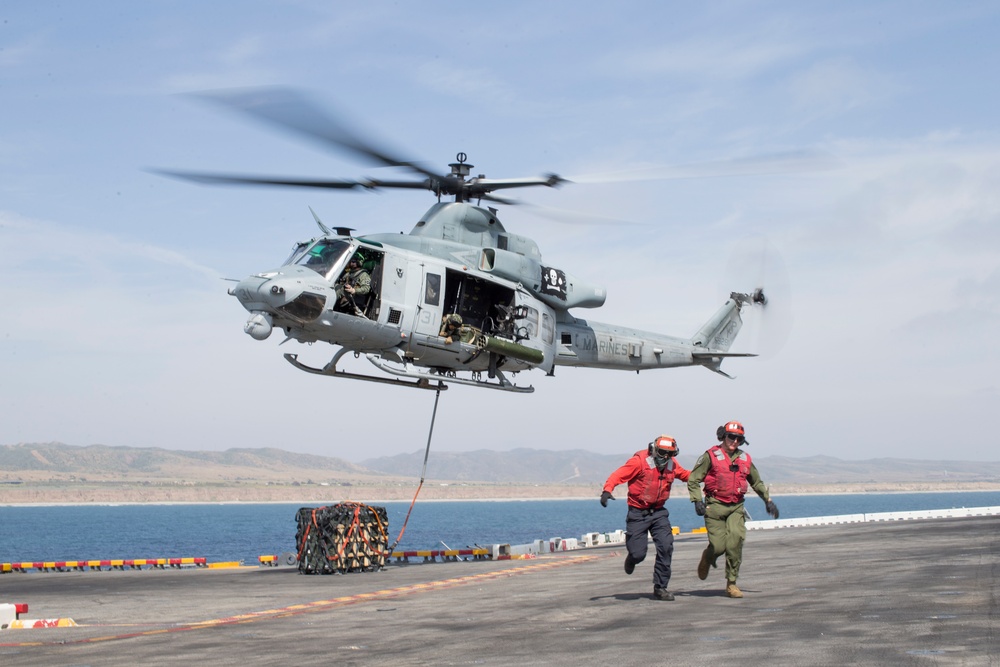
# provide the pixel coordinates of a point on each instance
(324, 255)
(297, 251)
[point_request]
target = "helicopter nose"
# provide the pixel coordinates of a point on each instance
(248, 292)
(265, 292)
(279, 295)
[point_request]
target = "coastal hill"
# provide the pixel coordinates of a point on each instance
(56, 472)
(55, 460)
(579, 466)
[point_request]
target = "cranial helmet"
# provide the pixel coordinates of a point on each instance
(735, 428)
(666, 443)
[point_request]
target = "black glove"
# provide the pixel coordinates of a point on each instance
(772, 509)
(605, 497)
(699, 508)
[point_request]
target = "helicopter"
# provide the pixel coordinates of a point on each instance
(459, 299)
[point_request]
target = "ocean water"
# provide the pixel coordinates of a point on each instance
(232, 532)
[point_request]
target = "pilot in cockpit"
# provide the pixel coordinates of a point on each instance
(353, 287)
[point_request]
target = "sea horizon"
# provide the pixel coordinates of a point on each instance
(243, 531)
(622, 493)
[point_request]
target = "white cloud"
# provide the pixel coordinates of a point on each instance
(718, 57)
(452, 79)
(834, 87)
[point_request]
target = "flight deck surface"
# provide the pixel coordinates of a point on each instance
(921, 592)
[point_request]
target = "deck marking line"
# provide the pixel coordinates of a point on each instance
(323, 605)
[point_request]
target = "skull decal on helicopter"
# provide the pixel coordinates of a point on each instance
(506, 311)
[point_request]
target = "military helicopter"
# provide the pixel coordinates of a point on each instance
(458, 300)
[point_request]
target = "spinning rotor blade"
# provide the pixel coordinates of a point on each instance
(774, 163)
(227, 179)
(566, 216)
(501, 200)
(491, 184)
(340, 184)
(755, 262)
(292, 111)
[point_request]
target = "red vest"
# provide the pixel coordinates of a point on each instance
(649, 489)
(723, 484)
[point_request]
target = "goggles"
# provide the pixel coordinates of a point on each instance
(734, 436)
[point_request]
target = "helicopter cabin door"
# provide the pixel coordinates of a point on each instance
(411, 295)
(429, 310)
(398, 290)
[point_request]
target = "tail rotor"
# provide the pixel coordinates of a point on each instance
(756, 262)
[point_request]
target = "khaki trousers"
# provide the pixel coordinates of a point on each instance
(727, 530)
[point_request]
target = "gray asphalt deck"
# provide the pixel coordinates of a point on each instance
(901, 593)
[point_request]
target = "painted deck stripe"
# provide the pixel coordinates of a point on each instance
(332, 603)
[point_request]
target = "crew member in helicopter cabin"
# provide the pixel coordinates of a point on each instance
(451, 327)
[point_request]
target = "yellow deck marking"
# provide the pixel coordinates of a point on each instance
(322, 605)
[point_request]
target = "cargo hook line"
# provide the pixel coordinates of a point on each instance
(423, 471)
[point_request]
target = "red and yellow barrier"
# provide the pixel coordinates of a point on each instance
(110, 564)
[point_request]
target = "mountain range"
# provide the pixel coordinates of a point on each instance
(54, 461)
(580, 467)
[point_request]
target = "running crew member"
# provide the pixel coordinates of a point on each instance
(649, 474)
(727, 472)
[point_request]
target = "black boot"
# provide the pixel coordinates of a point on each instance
(629, 564)
(662, 594)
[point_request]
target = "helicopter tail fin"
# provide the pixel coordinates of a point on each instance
(717, 335)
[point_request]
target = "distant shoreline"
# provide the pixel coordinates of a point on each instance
(44, 495)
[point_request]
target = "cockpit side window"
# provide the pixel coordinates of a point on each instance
(324, 255)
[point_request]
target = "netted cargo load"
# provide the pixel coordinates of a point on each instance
(347, 537)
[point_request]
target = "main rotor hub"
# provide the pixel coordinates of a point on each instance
(460, 168)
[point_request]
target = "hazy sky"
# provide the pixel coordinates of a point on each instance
(115, 325)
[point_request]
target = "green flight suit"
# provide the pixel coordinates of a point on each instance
(353, 303)
(726, 524)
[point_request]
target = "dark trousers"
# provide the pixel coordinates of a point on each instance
(639, 525)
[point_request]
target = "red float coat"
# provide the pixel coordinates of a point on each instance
(723, 484)
(647, 486)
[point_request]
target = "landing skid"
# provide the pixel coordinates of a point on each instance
(330, 370)
(503, 383)
(428, 379)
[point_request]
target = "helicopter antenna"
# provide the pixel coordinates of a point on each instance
(322, 227)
